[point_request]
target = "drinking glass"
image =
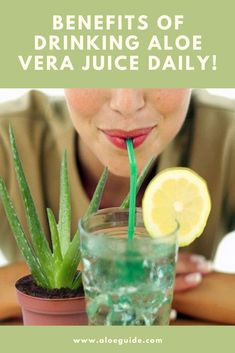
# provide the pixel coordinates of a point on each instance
(126, 282)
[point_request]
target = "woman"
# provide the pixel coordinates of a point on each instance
(170, 124)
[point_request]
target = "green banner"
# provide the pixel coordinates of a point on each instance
(117, 339)
(124, 43)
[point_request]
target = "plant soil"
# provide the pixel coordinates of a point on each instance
(28, 286)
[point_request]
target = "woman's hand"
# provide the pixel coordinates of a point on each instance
(189, 271)
(212, 301)
(8, 276)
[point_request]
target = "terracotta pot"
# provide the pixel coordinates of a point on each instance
(49, 312)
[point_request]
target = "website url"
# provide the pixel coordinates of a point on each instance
(118, 341)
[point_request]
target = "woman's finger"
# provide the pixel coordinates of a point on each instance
(173, 314)
(190, 263)
(187, 282)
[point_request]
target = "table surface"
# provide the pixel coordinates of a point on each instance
(186, 321)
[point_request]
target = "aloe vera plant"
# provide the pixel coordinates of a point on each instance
(56, 267)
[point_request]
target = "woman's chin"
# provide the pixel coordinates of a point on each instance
(119, 165)
(119, 171)
(123, 169)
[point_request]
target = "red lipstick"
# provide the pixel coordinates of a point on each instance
(118, 137)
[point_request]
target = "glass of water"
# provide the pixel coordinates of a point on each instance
(126, 282)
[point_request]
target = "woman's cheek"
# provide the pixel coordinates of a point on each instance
(168, 101)
(85, 101)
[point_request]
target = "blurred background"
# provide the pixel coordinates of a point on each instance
(8, 94)
(224, 260)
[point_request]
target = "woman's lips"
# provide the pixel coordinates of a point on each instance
(118, 137)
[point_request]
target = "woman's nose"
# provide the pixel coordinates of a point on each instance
(127, 101)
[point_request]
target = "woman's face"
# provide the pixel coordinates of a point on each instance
(104, 118)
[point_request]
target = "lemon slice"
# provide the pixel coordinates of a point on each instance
(176, 194)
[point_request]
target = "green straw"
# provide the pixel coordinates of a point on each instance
(140, 180)
(133, 179)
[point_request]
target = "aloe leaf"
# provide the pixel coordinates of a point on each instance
(39, 241)
(54, 238)
(97, 196)
(140, 180)
(21, 239)
(77, 281)
(70, 263)
(64, 225)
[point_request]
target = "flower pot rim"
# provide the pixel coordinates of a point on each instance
(54, 307)
(44, 299)
(49, 299)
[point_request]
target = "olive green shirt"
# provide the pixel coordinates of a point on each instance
(43, 130)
